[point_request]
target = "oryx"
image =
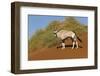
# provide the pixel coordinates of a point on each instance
(64, 34)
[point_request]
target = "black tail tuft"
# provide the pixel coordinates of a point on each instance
(79, 39)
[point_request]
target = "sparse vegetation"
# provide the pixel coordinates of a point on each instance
(44, 38)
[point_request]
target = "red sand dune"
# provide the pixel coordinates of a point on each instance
(58, 53)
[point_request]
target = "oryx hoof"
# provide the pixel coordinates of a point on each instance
(63, 48)
(72, 47)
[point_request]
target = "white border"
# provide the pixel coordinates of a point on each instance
(25, 64)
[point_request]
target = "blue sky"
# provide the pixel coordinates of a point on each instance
(36, 22)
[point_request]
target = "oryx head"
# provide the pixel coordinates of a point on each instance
(55, 32)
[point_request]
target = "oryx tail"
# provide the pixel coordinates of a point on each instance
(77, 37)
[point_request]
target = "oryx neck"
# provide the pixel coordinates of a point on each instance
(57, 32)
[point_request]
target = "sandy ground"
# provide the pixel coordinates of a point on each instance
(58, 53)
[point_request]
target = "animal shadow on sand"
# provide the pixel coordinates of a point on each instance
(67, 46)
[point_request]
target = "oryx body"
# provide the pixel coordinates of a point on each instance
(64, 34)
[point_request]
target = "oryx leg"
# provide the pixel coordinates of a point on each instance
(73, 44)
(74, 40)
(76, 44)
(63, 44)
